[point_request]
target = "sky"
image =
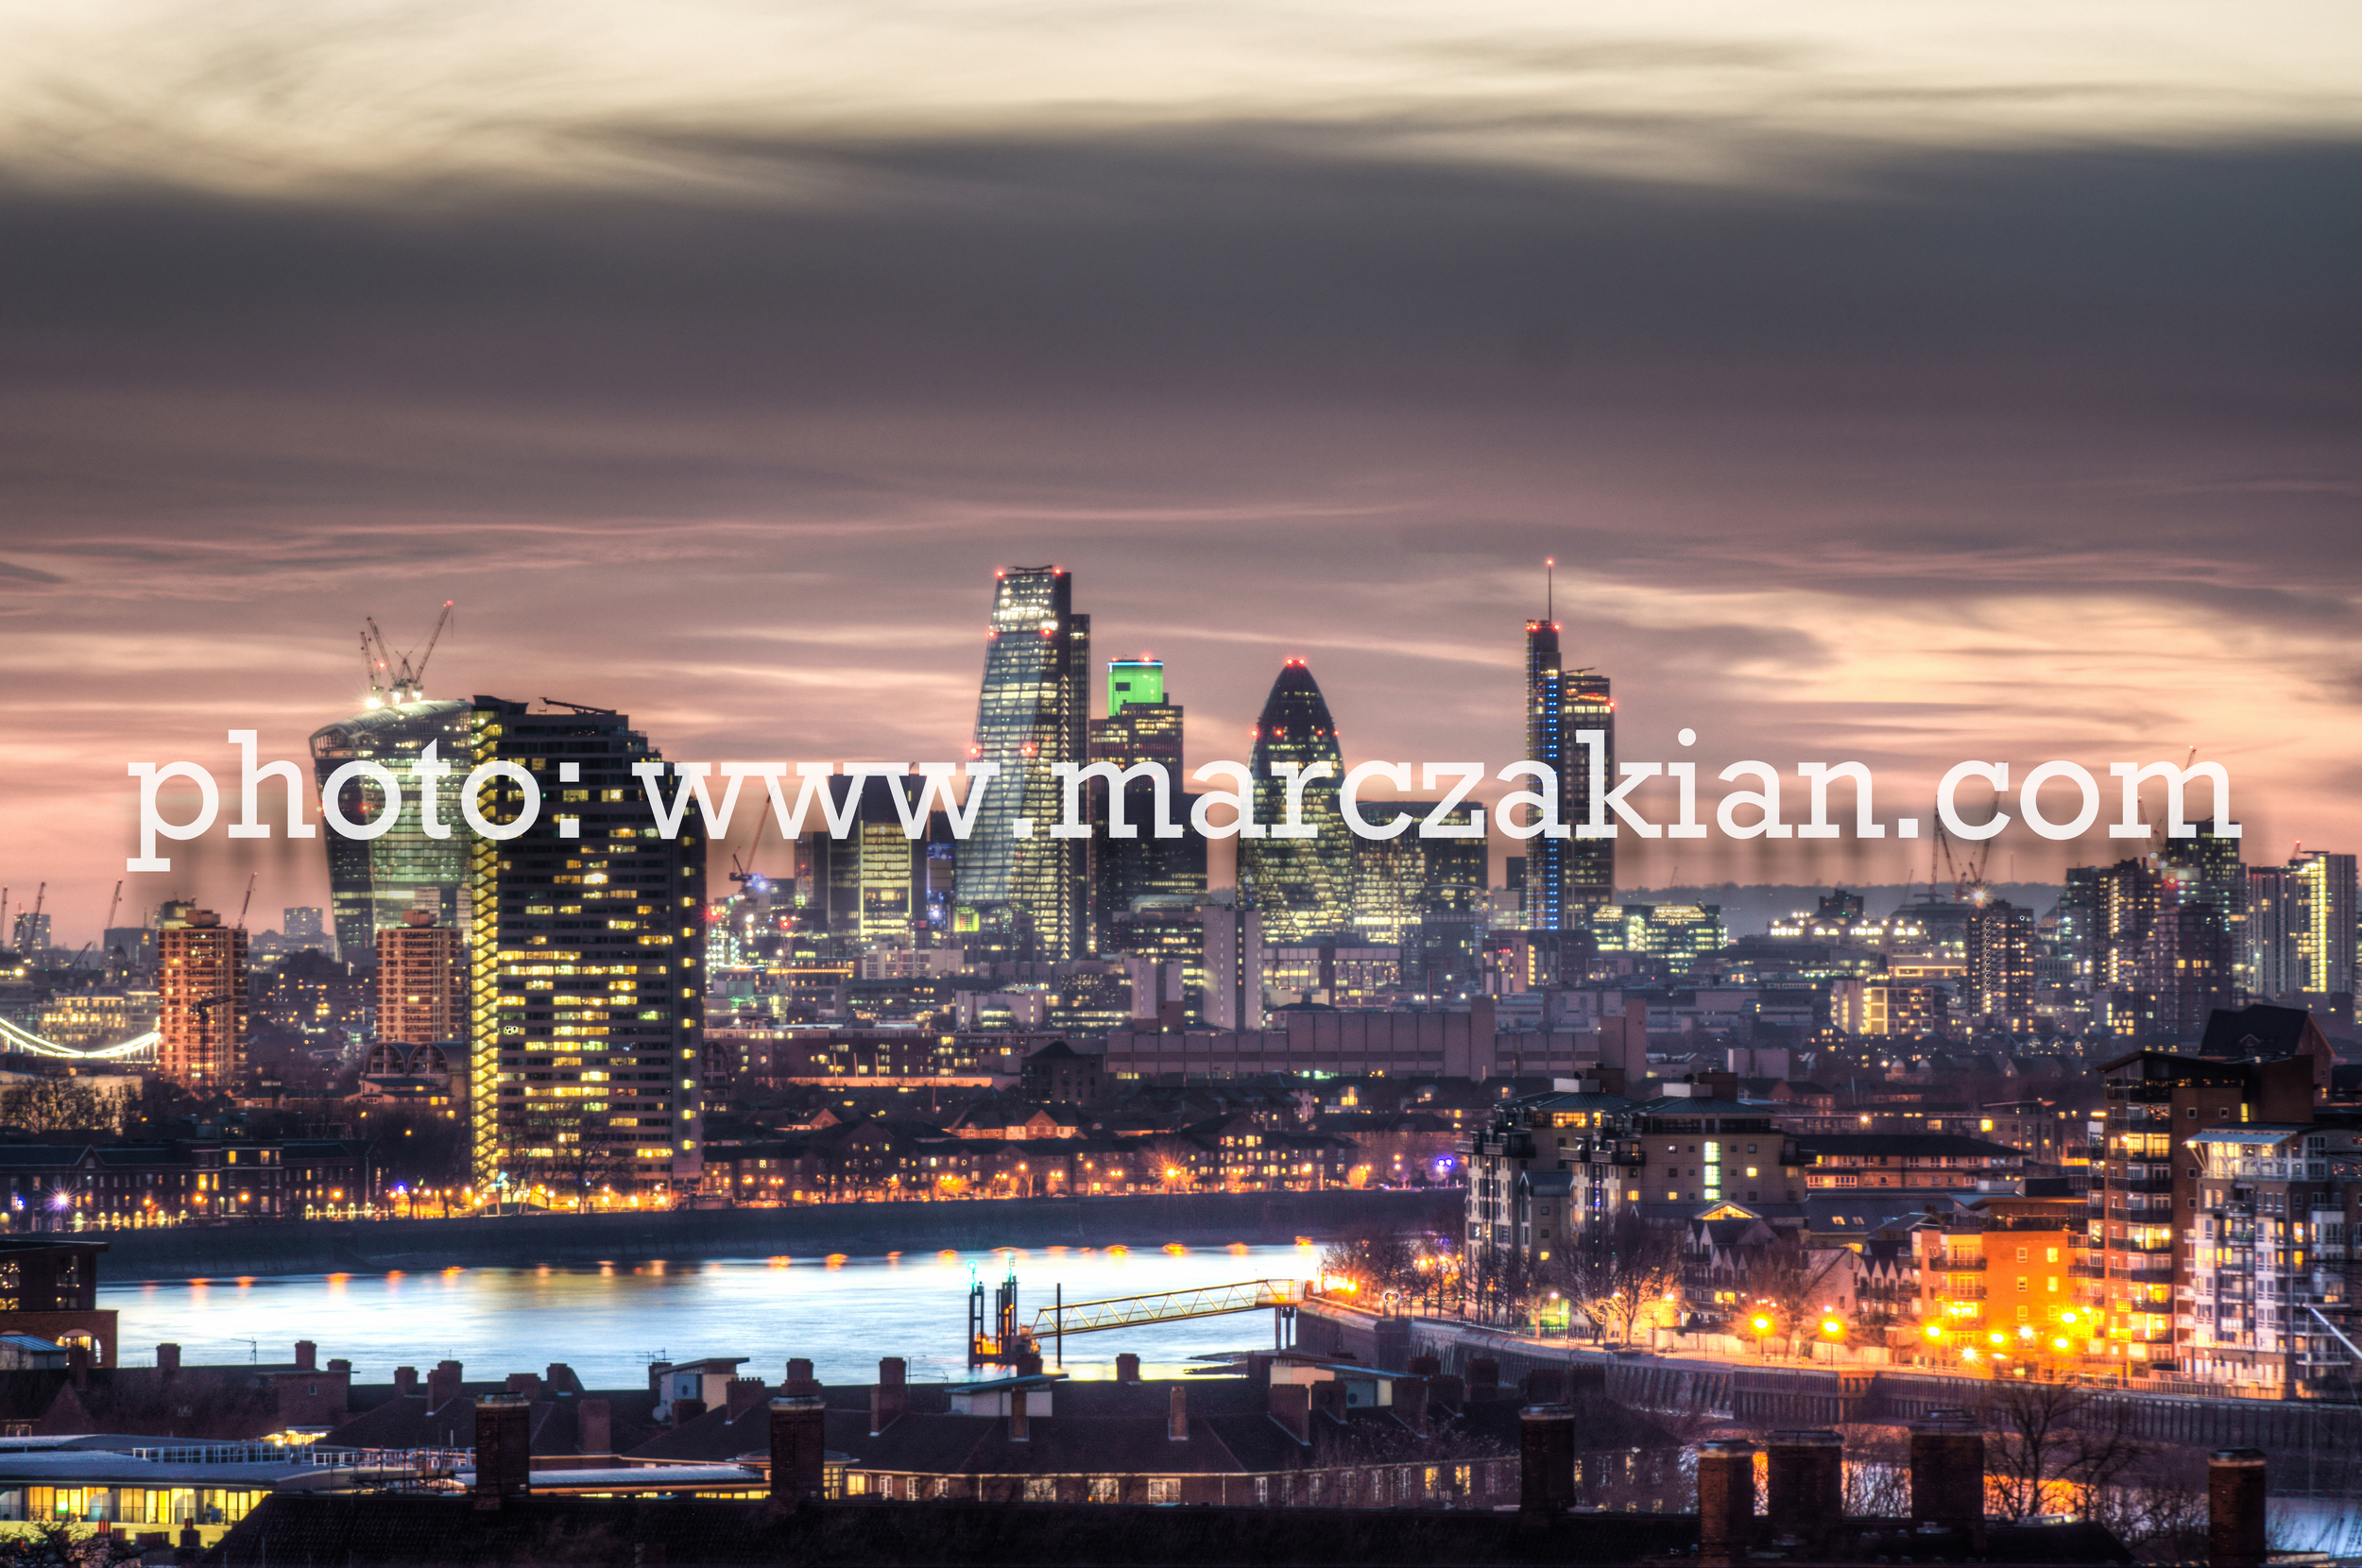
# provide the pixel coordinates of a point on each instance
(1908, 385)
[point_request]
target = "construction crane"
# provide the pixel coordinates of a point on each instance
(1968, 878)
(32, 921)
(112, 905)
(4, 915)
(403, 680)
(251, 878)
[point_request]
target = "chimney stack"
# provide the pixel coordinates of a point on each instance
(799, 1446)
(1177, 1415)
(168, 1360)
(524, 1386)
(307, 1354)
(1425, 1366)
(594, 1426)
(1410, 1402)
(1805, 1492)
(1485, 1377)
(338, 1364)
(1545, 1469)
(1726, 1500)
(561, 1379)
(442, 1384)
(1445, 1392)
(1291, 1406)
(888, 1395)
(800, 1379)
(405, 1378)
(1544, 1386)
(1127, 1368)
(743, 1394)
(2235, 1506)
(1019, 1430)
(504, 1449)
(1948, 1475)
(1330, 1399)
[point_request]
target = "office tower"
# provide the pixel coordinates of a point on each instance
(1999, 984)
(303, 927)
(1234, 967)
(202, 1000)
(586, 994)
(371, 881)
(869, 888)
(1032, 713)
(1140, 726)
(1166, 931)
(1402, 881)
(1566, 877)
(2274, 963)
(421, 981)
(2325, 892)
(1302, 887)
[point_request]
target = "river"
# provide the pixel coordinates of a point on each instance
(608, 1322)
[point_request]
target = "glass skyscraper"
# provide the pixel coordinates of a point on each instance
(1034, 712)
(1567, 879)
(1140, 726)
(371, 881)
(1302, 887)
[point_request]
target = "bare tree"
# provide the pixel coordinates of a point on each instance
(1619, 1268)
(1790, 1279)
(2049, 1443)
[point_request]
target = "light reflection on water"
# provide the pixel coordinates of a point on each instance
(608, 1320)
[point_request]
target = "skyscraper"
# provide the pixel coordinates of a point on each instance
(1302, 887)
(421, 981)
(1566, 877)
(1140, 726)
(586, 992)
(2326, 949)
(202, 1000)
(303, 927)
(371, 881)
(868, 888)
(2275, 921)
(1032, 713)
(1999, 984)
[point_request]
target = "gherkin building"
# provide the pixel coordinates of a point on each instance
(1303, 886)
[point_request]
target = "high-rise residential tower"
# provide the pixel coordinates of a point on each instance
(371, 881)
(2325, 894)
(1032, 713)
(421, 981)
(1302, 887)
(202, 1000)
(1566, 877)
(586, 979)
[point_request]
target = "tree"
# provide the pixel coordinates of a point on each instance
(59, 1104)
(1375, 1260)
(1789, 1280)
(1618, 1268)
(2053, 1444)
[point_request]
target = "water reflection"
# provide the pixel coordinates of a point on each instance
(608, 1320)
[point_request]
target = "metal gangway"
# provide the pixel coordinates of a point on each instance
(1055, 1321)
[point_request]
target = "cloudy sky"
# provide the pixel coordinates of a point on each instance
(1908, 383)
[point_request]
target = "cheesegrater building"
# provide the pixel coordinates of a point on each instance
(584, 986)
(1032, 713)
(1566, 878)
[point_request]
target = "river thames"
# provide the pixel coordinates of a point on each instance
(608, 1322)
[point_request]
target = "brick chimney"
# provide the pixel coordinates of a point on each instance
(1411, 1395)
(561, 1379)
(1485, 1377)
(168, 1360)
(1544, 1386)
(405, 1378)
(1726, 1500)
(1019, 1428)
(1127, 1368)
(888, 1395)
(1425, 1366)
(744, 1394)
(2234, 1508)
(1177, 1415)
(799, 1446)
(1545, 1463)
(524, 1386)
(594, 1426)
(800, 1379)
(1805, 1486)
(442, 1384)
(307, 1355)
(338, 1364)
(687, 1410)
(1330, 1399)
(1292, 1407)
(1445, 1391)
(1948, 1475)
(504, 1449)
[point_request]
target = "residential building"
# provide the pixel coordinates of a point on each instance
(202, 1000)
(1998, 1288)
(421, 981)
(1031, 714)
(1999, 988)
(2325, 944)
(1918, 1162)
(1885, 1008)
(2266, 1304)
(586, 988)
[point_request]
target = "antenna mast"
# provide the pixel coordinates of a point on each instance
(1549, 587)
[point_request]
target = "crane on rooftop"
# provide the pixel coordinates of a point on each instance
(398, 678)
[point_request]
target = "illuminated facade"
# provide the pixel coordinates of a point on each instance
(1402, 882)
(586, 982)
(202, 1000)
(1678, 933)
(1032, 713)
(1999, 984)
(2325, 944)
(371, 881)
(1140, 726)
(1998, 1293)
(421, 982)
(1302, 887)
(869, 888)
(1566, 877)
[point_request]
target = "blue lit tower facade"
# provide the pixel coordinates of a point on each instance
(1566, 878)
(1034, 712)
(1302, 887)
